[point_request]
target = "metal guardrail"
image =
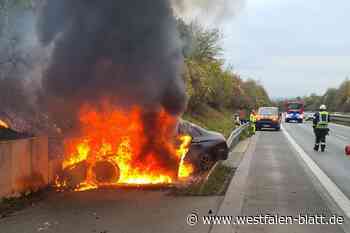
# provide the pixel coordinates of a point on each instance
(233, 140)
(340, 118)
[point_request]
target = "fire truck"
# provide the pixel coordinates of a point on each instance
(294, 111)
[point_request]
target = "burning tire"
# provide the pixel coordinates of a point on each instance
(206, 162)
(106, 172)
(101, 173)
(74, 175)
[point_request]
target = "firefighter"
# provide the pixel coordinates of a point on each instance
(320, 125)
(252, 120)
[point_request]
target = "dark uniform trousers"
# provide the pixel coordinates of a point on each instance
(321, 136)
(321, 120)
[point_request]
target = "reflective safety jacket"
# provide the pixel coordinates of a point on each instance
(252, 118)
(321, 120)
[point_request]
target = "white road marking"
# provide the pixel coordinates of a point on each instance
(333, 190)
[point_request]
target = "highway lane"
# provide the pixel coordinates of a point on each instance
(277, 183)
(333, 162)
(341, 132)
(111, 211)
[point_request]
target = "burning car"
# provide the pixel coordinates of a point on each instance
(124, 148)
(207, 147)
(118, 148)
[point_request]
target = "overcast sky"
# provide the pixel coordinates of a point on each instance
(294, 47)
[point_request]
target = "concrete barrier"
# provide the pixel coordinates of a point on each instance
(55, 167)
(24, 165)
(5, 170)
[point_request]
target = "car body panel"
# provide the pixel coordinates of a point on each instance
(209, 144)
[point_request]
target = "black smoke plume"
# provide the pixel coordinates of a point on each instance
(125, 50)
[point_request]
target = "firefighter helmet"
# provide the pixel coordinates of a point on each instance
(323, 107)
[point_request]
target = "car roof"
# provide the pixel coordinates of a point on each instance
(186, 127)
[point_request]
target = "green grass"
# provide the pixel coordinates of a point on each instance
(247, 132)
(216, 184)
(209, 118)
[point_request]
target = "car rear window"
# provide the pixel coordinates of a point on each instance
(191, 129)
(268, 111)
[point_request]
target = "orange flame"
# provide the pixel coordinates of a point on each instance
(140, 153)
(3, 124)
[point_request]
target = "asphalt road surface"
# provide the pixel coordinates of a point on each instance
(333, 162)
(278, 184)
(111, 211)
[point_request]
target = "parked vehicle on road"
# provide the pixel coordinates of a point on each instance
(207, 147)
(268, 117)
(295, 111)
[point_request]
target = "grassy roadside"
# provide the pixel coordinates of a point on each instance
(216, 183)
(209, 118)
